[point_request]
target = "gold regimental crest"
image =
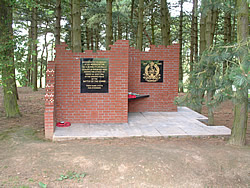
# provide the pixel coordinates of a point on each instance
(152, 72)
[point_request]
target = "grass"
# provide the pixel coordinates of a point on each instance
(72, 175)
(5, 135)
(42, 185)
(22, 133)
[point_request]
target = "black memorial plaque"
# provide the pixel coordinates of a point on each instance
(94, 75)
(151, 71)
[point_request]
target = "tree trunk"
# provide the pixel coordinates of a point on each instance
(16, 93)
(211, 20)
(108, 24)
(200, 94)
(233, 29)
(28, 63)
(139, 37)
(131, 18)
(92, 38)
(114, 33)
(132, 11)
(31, 76)
(119, 24)
(119, 29)
(196, 30)
(76, 28)
(87, 35)
(227, 34)
(180, 52)
(34, 48)
(194, 36)
(41, 69)
(202, 28)
(153, 26)
(148, 37)
(126, 31)
(44, 46)
(7, 54)
(213, 34)
(97, 39)
(227, 28)
(165, 24)
(210, 95)
(208, 36)
(71, 24)
(238, 136)
(192, 41)
(58, 19)
(46, 58)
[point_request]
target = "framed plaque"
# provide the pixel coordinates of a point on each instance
(94, 75)
(151, 71)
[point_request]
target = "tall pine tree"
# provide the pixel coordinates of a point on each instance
(238, 136)
(7, 59)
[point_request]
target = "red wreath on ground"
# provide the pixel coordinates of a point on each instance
(63, 124)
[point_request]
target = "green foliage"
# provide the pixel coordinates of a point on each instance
(42, 185)
(225, 6)
(220, 69)
(72, 175)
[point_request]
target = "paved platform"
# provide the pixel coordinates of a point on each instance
(185, 122)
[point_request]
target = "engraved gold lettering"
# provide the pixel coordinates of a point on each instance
(94, 73)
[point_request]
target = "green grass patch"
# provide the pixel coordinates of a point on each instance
(42, 185)
(71, 175)
(20, 133)
(6, 134)
(27, 133)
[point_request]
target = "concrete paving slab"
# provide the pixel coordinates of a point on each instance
(163, 124)
(133, 131)
(185, 122)
(136, 117)
(171, 131)
(119, 132)
(187, 112)
(150, 131)
(195, 130)
(140, 125)
(219, 130)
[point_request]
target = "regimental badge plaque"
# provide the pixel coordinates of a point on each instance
(94, 75)
(151, 71)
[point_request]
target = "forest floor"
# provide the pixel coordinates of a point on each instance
(26, 158)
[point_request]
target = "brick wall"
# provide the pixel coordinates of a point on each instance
(76, 107)
(161, 94)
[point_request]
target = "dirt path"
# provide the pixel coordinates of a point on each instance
(127, 163)
(27, 159)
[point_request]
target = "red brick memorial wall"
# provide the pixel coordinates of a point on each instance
(162, 90)
(92, 87)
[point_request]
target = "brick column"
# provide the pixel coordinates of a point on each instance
(49, 114)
